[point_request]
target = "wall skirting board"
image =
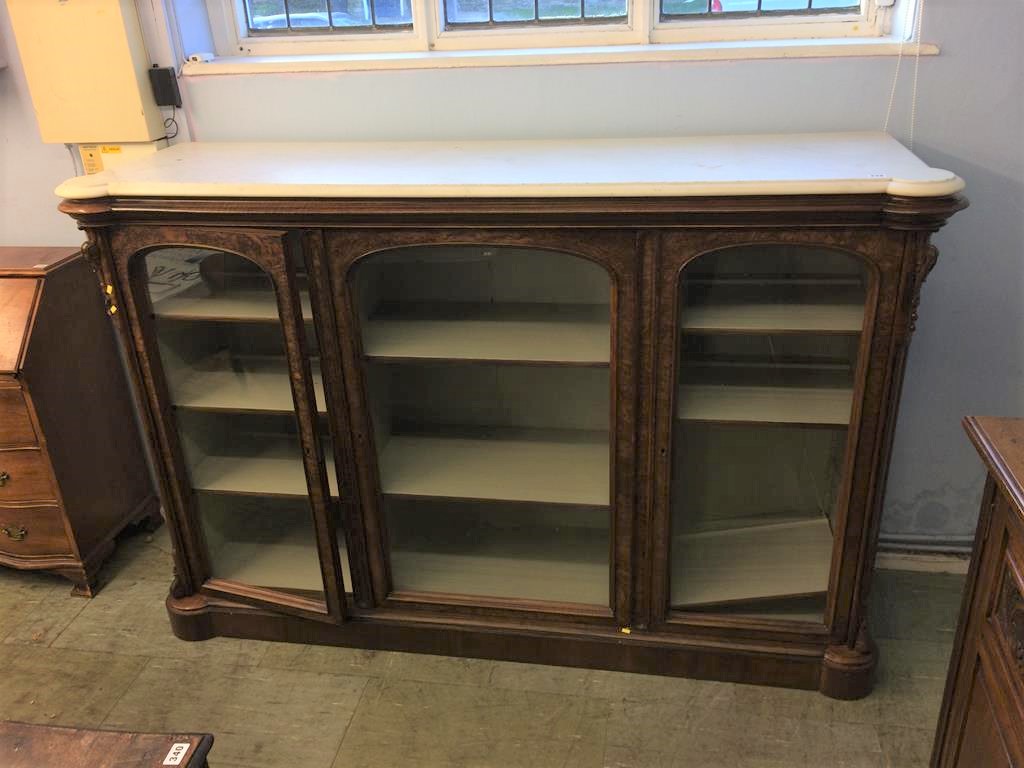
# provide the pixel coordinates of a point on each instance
(923, 562)
(938, 545)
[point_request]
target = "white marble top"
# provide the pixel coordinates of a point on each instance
(789, 164)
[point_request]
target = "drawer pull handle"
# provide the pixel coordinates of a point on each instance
(4, 478)
(17, 534)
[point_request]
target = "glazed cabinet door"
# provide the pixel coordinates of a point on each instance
(766, 348)
(493, 415)
(225, 330)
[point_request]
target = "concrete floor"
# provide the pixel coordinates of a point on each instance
(112, 662)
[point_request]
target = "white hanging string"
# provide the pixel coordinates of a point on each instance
(918, 22)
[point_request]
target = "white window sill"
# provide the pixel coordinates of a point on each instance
(522, 57)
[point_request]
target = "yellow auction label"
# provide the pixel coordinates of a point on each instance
(92, 160)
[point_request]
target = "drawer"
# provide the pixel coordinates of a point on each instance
(33, 531)
(25, 475)
(15, 425)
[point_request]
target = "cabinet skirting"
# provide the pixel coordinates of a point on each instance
(810, 664)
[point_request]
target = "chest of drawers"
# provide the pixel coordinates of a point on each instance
(73, 471)
(982, 720)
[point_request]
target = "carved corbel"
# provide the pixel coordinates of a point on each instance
(926, 259)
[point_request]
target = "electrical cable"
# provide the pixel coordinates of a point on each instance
(169, 123)
(915, 36)
(918, 24)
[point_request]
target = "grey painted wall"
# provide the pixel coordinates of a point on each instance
(29, 169)
(968, 352)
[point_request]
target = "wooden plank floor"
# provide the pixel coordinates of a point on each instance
(112, 662)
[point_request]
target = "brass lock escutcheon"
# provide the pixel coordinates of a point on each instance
(4, 478)
(14, 533)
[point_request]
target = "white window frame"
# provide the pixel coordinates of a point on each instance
(643, 27)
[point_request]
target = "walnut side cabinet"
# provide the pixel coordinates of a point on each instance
(622, 404)
(73, 470)
(981, 724)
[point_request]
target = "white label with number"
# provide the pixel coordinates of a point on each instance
(177, 754)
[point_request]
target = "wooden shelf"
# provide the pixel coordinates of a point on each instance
(809, 609)
(557, 467)
(227, 306)
(828, 406)
(246, 384)
(531, 333)
(277, 470)
(774, 318)
(288, 560)
(530, 564)
(783, 280)
(749, 564)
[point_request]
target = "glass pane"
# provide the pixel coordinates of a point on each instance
(559, 9)
(513, 10)
(308, 14)
(846, 4)
(595, 9)
(267, 14)
(466, 11)
(351, 13)
(488, 378)
(221, 344)
(784, 5)
(684, 7)
(769, 343)
(392, 12)
(735, 6)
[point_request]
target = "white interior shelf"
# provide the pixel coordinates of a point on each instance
(565, 570)
(241, 306)
(288, 560)
(556, 467)
(756, 563)
(769, 405)
(275, 471)
(826, 281)
(504, 332)
(251, 384)
(769, 318)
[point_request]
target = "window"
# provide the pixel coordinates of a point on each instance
(685, 9)
(298, 16)
(288, 27)
(484, 13)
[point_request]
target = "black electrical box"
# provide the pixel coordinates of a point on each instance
(165, 86)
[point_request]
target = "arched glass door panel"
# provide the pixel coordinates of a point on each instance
(769, 338)
(222, 350)
(487, 377)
